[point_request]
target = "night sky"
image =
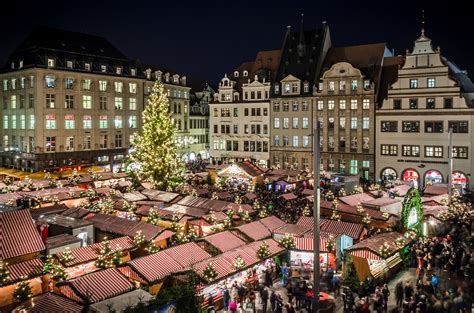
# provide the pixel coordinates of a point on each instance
(205, 39)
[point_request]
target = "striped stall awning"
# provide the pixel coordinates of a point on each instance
(49, 302)
(308, 221)
(92, 252)
(154, 267)
(249, 258)
(102, 285)
(130, 273)
(365, 254)
(306, 244)
(255, 230)
(292, 229)
(29, 268)
(164, 235)
(222, 266)
(352, 230)
(273, 246)
(19, 235)
(224, 241)
(68, 292)
(187, 254)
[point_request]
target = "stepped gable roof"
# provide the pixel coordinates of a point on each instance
(301, 54)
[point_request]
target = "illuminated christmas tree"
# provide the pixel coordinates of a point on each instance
(4, 273)
(22, 290)
(153, 217)
(209, 272)
(155, 158)
(152, 248)
(287, 241)
(66, 256)
(55, 271)
(139, 239)
(263, 251)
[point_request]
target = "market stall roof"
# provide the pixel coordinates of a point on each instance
(272, 222)
(237, 207)
(374, 243)
(353, 230)
(152, 268)
(381, 202)
(306, 243)
(353, 200)
(401, 190)
(145, 211)
(202, 192)
(434, 211)
(48, 210)
(242, 169)
(158, 195)
(204, 203)
(19, 235)
(224, 241)
(255, 230)
(436, 190)
(220, 216)
(224, 195)
(250, 196)
(164, 235)
(308, 221)
(289, 196)
(134, 196)
(76, 212)
(30, 268)
(64, 221)
(344, 208)
(308, 192)
(187, 254)
(435, 200)
(186, 210)
(61, 240)
(292, 229)
(48, 302)
(92, 252)
(124, 227)
(97, 286)
(122, 302)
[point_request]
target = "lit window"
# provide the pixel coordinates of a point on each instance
(102, 85)
(50, 144)
(69, 102)
(118, 70)
(132, 104)
(331, 86)
(69, 83)
(353, 104)
(366, 104)
(14, 121)
(286, 122)
(295, 141)
(50, 81)
(118, 103)
(50, 121)
(5, 121)
(13, 83)
(276, 123)
(320, 105)
(353, 85)
(13, 101)
(306, 87)
(431, 82)
(21, 64)
(103, 121)
(305, 141)
(413, 83)
(69, 121)
(365, 123)
(118, 86)
(305, 123)
(277, 88)
(87, 122)
(86, 84)
(22, 121)
(287, 88)
(295, 122)
(133, 87)
(330, 104)
(132, 121)
(133, 72)
(50, 101)
(118, 121)
(86, 102)
(103, 103)
(51, 62)
(353, 122)
(366, 84)
(32, 122)
(103, 68)
(5, 84)
(342, 85)
(342, 104)
(353, 168)
(87, 66)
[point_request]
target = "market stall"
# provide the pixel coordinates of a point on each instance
(378, 256)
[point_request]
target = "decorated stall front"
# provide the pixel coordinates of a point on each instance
(242, 265)
(378, 256)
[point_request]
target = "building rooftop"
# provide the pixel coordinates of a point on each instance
(64, 221)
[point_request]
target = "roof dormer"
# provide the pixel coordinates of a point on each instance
(236, 74)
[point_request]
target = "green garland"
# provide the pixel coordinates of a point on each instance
(412, 200)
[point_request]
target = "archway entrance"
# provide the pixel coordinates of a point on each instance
(388, 173)
(410, 175)
(459, 178)
(433, 177)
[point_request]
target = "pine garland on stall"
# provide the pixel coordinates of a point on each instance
(209, 272)
(360, 209)
(357, 190)
(335, 216)
(385, 250)
(287, 241)
(227, 223)
(55, 271)
(4, 273)
(307, 211)
(331, 243)
(153, 217)
(239, 263)
(152, 248)
(139, 239)
(66, 256)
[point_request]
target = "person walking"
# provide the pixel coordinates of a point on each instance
(434, 282)
(385, 294)
(399, 293)
(225, 298)
(273, 300)
(264, 298)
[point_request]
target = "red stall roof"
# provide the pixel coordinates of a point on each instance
(224, 241)
(272, 222)
(255, 230)
(48, 302)
(155, 267)
(187, 254)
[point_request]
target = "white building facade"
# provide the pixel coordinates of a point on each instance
(429, 97)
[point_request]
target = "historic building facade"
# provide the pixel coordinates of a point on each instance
(429, 96)
(240, 114)
(345, 103)
(292, 105)
(199, 122)
(69, 99)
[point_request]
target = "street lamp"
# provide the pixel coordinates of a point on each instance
(316, 209)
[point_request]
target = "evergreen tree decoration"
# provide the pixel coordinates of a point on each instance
(287, 241)
(75, 178)
(238, 200)
(215, 228)
(357, 190)
(211, 217)
(139, 239)
(335, 216)
(262, 213)
(155, 157)
(374, 187)
(116, 258)
(181, 237)
(385, 250)
(209, 272)
(152, 248)
(331, 243)
(101, 262)
(22, 290)
(192, 235)
(105, 249)
(351, 279)
(239, 263)
(342, 192)
(360, 209)
(385, 215)
(367, 219)
(329, 196)
(244, 215)
(307, 211)
(66, 256)
(227, 223)
(400, 242)
(263, 251)
(153, 217)
(105, 205)
(4, 273)
(230, 213)
(175, 224)
(130, 207)
(412, 210)
(214, 196)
